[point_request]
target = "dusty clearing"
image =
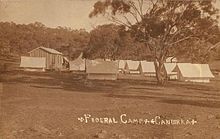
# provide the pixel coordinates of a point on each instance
(47, 105)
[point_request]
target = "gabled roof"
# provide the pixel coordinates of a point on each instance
(204, 70)
(49, 50)
(195, 70)
(133, 65)
(122, 64)
(148, 67)
(66, 59)
(77, 64)
(171, 60)
(33, 62)
(100, 66)
(169, 67)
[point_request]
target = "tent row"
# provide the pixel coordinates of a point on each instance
(43, 58)
(144, 67)
(137, 67)
(109, 70)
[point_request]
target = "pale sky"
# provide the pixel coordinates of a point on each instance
(52, 13)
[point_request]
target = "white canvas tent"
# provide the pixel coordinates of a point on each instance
(169, 67)
(194, 72)
(132, 67)
(77, 64)
(101, 70)
(148, 68)
(121, 65)
(33, 63)
(171, 60)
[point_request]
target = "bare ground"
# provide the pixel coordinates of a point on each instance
(47, 106)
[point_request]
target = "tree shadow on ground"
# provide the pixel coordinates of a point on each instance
(77, 82)
(122, 88)
(167, 100)
(200, 103)
(192, 86)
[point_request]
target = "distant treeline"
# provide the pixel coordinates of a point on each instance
(17, 39)
(106, 41)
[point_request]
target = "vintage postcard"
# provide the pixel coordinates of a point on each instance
(109, 69)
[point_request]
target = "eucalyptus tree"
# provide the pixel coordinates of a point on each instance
(162, 25)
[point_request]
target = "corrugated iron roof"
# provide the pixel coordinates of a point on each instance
(49, 50)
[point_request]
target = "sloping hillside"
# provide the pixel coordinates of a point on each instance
(18, 39)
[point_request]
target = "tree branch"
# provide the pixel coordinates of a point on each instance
(141, 2)
(117, 21)
(135, 9)
(183, 39)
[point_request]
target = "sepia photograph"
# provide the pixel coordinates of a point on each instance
(109, 69)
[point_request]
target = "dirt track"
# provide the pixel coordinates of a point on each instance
(48, 105)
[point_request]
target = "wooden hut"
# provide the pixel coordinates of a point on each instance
(54, 59)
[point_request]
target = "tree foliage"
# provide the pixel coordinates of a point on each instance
(163, 25)
(111, 42)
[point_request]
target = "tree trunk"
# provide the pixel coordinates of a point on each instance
(160, 72)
